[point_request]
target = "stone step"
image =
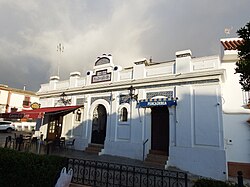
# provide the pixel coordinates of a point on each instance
(91, 151)
(94, 148)
(157, 152)
(96, 145)
(154, 164)
(156, 158)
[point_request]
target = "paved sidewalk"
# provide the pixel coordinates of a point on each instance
(104, 158)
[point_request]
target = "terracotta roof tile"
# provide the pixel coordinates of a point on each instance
(231, 44)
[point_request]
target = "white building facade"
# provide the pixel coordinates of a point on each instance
(13, 100)
(176, 107)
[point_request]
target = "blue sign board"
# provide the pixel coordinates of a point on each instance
(157, 102)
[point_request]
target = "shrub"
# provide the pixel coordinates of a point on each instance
(28, 169)
(211, 183)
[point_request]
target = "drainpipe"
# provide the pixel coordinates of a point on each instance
(8, 102)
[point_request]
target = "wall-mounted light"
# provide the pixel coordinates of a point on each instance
(79, 112)
(132, 93)
(64, 99)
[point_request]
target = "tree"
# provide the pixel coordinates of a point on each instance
(243, 64)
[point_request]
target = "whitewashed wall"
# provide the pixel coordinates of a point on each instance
(199, 146)
(237, 137)
(3, 100)
(235, 115)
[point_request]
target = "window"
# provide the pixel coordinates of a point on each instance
(26, 102)
(52, 126)
(80, 101)
(78, 115)
(101, 61)
(123, 116)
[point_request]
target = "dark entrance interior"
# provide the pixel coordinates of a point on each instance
(99, 124)
(160, 129)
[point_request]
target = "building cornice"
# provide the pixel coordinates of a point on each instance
(174, 79)
(18, 91)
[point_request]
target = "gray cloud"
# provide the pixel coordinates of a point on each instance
(129, 30)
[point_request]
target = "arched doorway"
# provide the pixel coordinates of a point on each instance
(160, 129)
(99, 124)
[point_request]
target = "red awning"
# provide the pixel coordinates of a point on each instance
(40, 112)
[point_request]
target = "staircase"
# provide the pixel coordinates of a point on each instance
(156, 158)
(94, 148)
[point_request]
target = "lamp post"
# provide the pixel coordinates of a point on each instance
(132, 93)
(64, 99)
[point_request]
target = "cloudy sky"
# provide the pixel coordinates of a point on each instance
(30, 31)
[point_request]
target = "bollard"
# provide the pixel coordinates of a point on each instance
(19, 141)
(6, 142)
(240, 179)
(48, 146)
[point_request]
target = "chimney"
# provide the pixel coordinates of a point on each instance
(53, 81)
(74, 76)
(139, 71)
(183, 61)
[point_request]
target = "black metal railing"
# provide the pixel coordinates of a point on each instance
(143, 149)
(97, 173)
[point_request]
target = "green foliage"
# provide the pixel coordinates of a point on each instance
(28, 169)
(211, 183)
(243, 65)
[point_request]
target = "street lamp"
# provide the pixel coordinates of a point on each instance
(64, 99)
(132, 93)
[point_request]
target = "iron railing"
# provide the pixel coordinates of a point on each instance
(97, 173)
(143, 149)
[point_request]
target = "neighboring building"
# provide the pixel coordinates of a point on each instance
(13, 100)
(235, 112)
(190, 109)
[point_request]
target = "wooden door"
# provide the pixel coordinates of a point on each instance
(54, 127)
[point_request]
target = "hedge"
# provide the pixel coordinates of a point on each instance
(211, 183)
(28, 169)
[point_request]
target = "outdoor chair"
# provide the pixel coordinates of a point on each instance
(34, 142)
(9, 142)
(12, 141)
(70, 144)
(19, 142)
(56, 143)
(27, 143)
(62, 142)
